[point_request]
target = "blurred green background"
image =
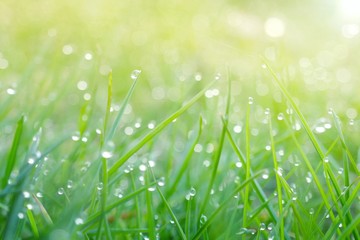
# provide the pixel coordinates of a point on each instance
(50, 49)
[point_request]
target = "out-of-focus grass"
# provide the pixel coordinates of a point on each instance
(92, 158)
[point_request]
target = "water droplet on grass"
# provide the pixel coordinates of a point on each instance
(60, 191)
(238, 164)
(151, 189)
(142, 167)
(340, 171)
(161, 182)
(76, 137)
(206, 163)
(11, 91)
(135, 74)
(311, 211)
(39, 195)
(265, 175)
(251, 100)
(280, 116)
(69, 184)
(82, 85)
(198, 148)
(67, 49)
(192, 192)
(129, 131)
(100, 186)
(26, 194)
(88, 56)
(203, 219)
(108, 149)
(237, 129)
(262, 226)
(31, 161)
(21, 215)
(79, 221)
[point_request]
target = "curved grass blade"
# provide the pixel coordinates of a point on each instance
(148, 137)
(185, 165)
(10, 163)
(220, 208)
(257, 187)
(278, 182)
(177, 224)
(113, 128)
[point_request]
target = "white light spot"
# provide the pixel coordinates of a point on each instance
(88, 56)
(237, 129)
(274, 27)
(82, 85)
(350, 9)
(11, 91)
(129, 131)
(350, 30)
(3, 63)
(67, 49)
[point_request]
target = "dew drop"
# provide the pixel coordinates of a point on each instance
(11, 91)
(192, 192)
(203, 219)
(129, 131)
(262, 226)
(151, 163)
(151, 189)
(135, 74)
(100, 186)
(29, 206)
(88, 56)
(311, 211)
(108, 149)
(280, 116)
(21, 215)
(31, 161)
(265, 175)
(161, 182)
(237, 129)
(39, 195)
(142, 167)
(251, 100)
(238, 164)
(60, 191)
(69, 184)
(79, 221)
(26, 194)
(76, 137)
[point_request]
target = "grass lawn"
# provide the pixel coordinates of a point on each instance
(179, 119)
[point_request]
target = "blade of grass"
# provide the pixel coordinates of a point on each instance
(121, 111)
(177, 224)
(137, 204)
(278, 182)
(185, 165)
(309, 133)
(109, 207)
(155, 131)
(222, 205)
(218, 153)
(10, 163)
(149, 208)
(247, 170)
(32, 223)
(257, 187)
(214, 171)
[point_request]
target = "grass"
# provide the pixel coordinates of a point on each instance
(203, 140)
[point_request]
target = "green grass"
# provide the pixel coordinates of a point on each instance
(222, 131)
